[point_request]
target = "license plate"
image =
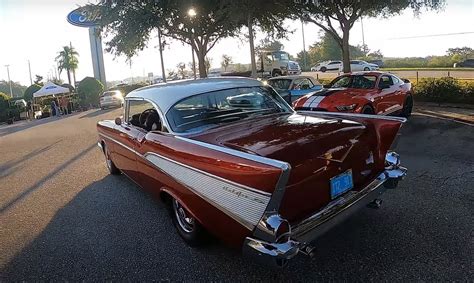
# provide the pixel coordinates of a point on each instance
(341, 184)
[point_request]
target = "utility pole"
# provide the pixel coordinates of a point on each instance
(8, 74)
(304, 45)
(29, 69)
(363, 37)
(163, 75)
(252, 48)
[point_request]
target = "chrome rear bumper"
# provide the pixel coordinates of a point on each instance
(319, 223)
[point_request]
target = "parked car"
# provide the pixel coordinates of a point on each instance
(327, 66)
(294, 87)
(260, 177)
(362, 92)
(112, 98)
(377, 62)
(359, 65)
(469, 63)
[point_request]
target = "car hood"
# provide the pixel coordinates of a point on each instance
(291, 138)
(340, 91)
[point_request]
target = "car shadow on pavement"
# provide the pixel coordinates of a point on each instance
(43, 180)
(112, 230)
(11, 166)
(24, 124)
(97, 113)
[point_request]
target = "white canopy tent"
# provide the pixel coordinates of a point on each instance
(50, 88)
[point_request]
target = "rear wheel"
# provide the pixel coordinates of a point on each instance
(323, 69)
(367, 109)
(110, 164)
(407, 107)
(188, 227)
(276, 73)
(366, 69)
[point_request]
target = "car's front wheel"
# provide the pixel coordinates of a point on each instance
(323, 69)
(188, 227)
(366, 69)
(110, 164)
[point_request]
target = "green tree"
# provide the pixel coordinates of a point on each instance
(28, 94)
(130, 23)
(88, 91)
(67, 60)
(226, 61)
(463, 52)
(337, 17)
(208, 63)
(269, 43)
(17, 88)
(38, 80)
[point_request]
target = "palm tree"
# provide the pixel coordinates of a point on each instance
(67, 60)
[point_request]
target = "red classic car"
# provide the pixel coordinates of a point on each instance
(361, 92)
(233, 159)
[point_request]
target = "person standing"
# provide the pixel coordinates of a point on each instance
(53, 107)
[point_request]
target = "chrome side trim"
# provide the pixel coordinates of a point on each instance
(355, 115)
(243, 205)
(253, 157)
(121, 144)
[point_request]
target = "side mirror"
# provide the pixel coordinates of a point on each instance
(118, 121)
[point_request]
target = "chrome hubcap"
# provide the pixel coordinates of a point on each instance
(185, 221)
(107, 160)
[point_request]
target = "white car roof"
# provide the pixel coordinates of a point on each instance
(165, 95)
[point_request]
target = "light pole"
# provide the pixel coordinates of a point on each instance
(10, 81)
(192, 13)
(29, 69)
(304, 44)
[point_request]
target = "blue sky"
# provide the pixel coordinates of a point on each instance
(36, 31)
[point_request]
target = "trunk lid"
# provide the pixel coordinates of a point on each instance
(317, 148)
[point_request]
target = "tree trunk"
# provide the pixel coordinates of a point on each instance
(202, 62)
(69, 76)
(252, 48)
(74, 77)
(346, 57)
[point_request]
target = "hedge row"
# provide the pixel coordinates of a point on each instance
(444, 90)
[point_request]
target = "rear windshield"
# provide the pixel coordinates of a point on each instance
(354, 81)
(280, 83)
(207, 110)
(109, 93)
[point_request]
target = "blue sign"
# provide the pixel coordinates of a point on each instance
(84, 17)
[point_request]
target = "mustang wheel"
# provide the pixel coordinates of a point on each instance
(188, 228)
(407, 107)
(110, 164)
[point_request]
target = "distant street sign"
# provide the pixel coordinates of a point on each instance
(84, 17)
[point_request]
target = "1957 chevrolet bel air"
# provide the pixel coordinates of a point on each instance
(232, 158)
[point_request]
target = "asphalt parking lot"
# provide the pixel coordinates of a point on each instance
(62, 217)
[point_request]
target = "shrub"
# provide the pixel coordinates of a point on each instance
(4, 105)
(88, 91)
(28, 94)
(444, 90)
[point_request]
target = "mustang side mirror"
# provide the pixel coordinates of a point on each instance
(118, 121)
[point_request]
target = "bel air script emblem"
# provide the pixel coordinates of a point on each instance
(84, 17)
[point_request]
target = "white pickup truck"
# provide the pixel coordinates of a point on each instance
(277, 63)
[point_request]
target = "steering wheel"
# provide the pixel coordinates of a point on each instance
(144, 114)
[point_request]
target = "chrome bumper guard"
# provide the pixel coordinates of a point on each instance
(303, 233)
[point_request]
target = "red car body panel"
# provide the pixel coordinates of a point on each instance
(382, 101)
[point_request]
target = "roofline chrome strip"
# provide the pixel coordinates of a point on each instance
(355, 115)
(260, 159)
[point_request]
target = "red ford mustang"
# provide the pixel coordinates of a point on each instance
(362, 92)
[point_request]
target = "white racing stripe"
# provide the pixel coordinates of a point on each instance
(315, 103)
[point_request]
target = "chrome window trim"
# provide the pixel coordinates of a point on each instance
(164, 123)
(355, 115)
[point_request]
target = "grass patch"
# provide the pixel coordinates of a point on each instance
(429, 69)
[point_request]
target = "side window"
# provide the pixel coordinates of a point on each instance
(138, 107)
(385, 81)
(396, 81)
(306, 84)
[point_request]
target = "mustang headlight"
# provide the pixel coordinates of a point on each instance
(346, 107)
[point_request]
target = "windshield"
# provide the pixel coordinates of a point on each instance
(281, 56)
(355, 81)
(210, 109)
(280, 83)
